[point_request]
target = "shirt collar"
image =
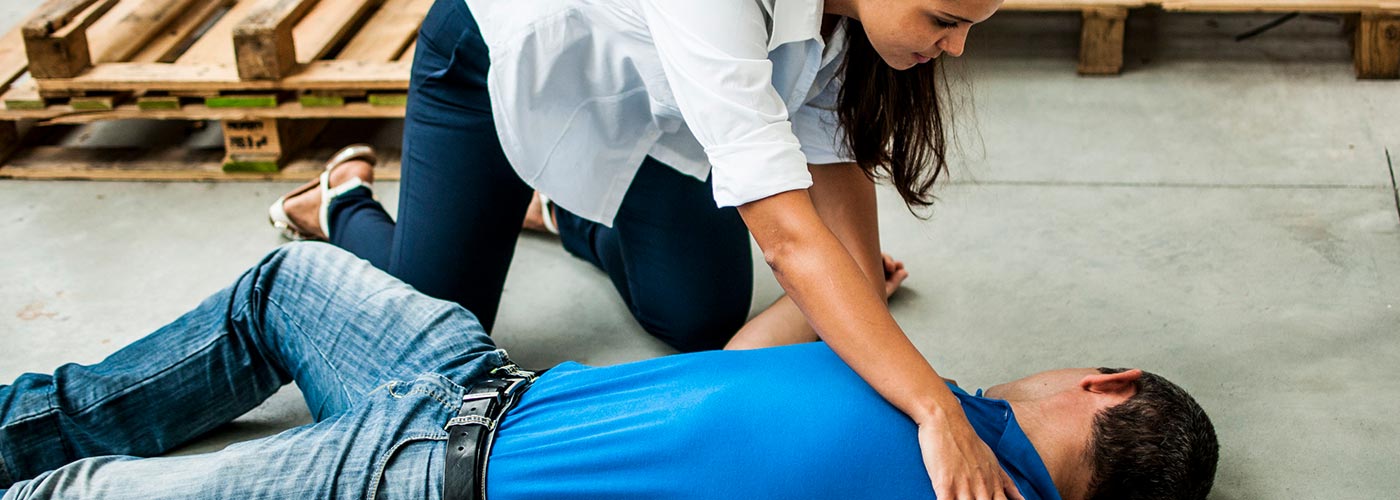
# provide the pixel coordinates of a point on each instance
(793, 21)
(996, 423)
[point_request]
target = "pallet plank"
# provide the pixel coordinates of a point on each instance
(130, 25)
(172, 42)
(57, 14)
(318, 75)
(1329, 6)
(13, 62)
(385, 36)
(216, 45)
(356, 110)
(329, 22)
(167, 164)
(350, 75)
(1069, 5)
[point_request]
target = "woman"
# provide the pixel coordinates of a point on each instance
(638, 118)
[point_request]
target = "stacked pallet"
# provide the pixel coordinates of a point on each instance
(1376, 46)
(272, 71)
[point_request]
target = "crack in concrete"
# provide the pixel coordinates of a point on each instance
(1393, 189)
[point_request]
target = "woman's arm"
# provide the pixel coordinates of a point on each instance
(831, 290)
(782, 323)
(845, 201)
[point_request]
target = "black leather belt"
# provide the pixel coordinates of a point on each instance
(472, 432)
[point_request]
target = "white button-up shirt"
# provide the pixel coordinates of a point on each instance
(583, 90)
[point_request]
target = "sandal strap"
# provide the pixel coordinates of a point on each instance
(547, 214)
(351, 153)
(330, 194)
(345, 155)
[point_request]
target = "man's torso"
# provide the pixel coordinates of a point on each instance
(790, 422)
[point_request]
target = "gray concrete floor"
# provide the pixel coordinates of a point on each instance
(1223, 213)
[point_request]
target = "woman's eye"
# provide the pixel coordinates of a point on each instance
(945, 24)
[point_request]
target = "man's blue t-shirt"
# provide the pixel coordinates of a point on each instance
(789, 422)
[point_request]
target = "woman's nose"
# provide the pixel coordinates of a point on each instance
(954, 43)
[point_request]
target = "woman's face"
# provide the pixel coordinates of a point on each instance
(911, 32)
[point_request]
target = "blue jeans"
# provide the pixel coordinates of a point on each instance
(681, 264)
(378, 363)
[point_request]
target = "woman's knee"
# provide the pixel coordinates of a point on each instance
(694, 323)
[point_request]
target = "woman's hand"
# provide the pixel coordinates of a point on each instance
(960, 465)
(894, 274)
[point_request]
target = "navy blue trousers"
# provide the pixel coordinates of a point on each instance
(681, 264)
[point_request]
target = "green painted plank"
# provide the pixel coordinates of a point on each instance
(242, 101)
(18, 105)
(388, 99)
(322, 101)
(91, 103)
(256, 165)
(158, 103)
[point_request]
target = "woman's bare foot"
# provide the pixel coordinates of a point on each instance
(534, 216)
(305, 209)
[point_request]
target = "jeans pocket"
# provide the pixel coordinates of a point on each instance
(412, 468)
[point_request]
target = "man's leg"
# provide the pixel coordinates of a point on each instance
(389, 446)
(308, 313)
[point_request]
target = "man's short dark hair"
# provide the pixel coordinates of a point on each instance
(1159, 444)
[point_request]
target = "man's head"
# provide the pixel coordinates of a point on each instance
(1133, 434)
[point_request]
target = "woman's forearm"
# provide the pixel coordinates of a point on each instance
(844, 199)
(782, 323)
(828, 287)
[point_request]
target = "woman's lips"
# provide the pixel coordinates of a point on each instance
(921, 59)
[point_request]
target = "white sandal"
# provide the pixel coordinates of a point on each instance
(277, 214)
(547, 214)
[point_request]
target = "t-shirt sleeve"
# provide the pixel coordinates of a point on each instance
(819, 131)
(715, 56)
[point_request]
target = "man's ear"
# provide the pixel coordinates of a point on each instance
(1117, 384)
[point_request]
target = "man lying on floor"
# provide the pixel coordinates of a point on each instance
(380, 367)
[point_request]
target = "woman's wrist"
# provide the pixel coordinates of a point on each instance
(938, 409)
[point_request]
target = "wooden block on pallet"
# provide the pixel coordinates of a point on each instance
(262, 145)
(1377, 47)
(262, 43)
(1101, 41)
(9, 140)
(55, 39)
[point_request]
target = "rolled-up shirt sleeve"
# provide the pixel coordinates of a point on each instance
(715, 56)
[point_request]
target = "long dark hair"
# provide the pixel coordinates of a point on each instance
(894, 126)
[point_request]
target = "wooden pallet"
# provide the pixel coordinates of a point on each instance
(1376, 46)
(272, 71)
(176, 164)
